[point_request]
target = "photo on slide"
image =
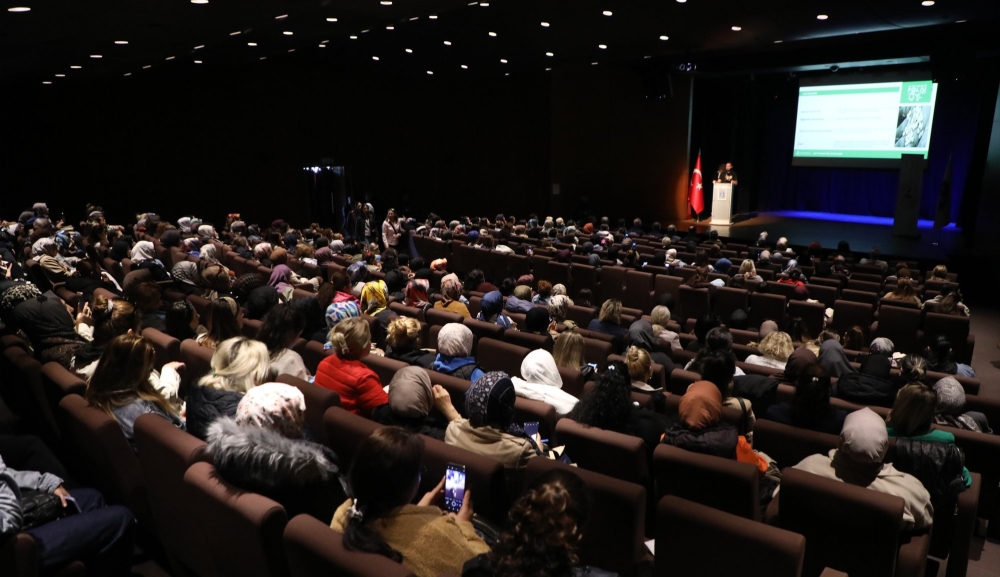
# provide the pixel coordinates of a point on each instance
(911, 126)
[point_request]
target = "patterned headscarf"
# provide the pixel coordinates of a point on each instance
(262, 250)
(340, 310)
(416, 292)
(41, 246)
(186, 272)
(373, 297)
(490, 403)
(451, 288)
(275, 406)
(951, 404)
(15, 295)
(208, 251)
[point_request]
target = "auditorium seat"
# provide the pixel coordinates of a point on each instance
(831, 282)
(203, 305)
(19, 556)
(836, 517)
(743, 337)
(573, 381)
(529, 341)
(315, 550)
(680, 380)
(663, 284)
(25, 389)
(956, 328)
(597, 350)
(766, 307)
(613, 531)
(884, 302)
(847, 314)
(57, 381)
(638, 291)
(693, 304)
(584, 277)
(559, 273)
(197, 360)
(863, 286)
(318, 400)
(784, 289)
(900, 325)
(345, 431)
(405, 311)
(313, 355)
(689, 535)
(813, 315)
(612, 283)
(168, 348)
(859, 296)
(485, 329)
(251, 328)
(581, 315)
(824, 294)
(728, 300)
(165, 454)
(484, 477)
(384, 367)
(868, 273)
(717, 482)
(442, 317)
(243, 529)
(518, 265)
(494, 355)
(613, 454)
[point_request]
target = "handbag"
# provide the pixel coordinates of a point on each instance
(39, 508)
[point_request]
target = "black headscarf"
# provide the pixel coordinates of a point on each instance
(261, 301)
(537, 320)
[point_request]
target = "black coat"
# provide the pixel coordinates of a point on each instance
(719, 439)
(937, 465)
(432, 425)
(867, 390)
(205, 405)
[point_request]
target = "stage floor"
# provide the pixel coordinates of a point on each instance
(862, 232)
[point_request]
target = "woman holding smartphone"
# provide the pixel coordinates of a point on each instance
(384, 479)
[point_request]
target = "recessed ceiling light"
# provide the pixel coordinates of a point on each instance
(251, 43)
(353, 37)
(464, 67)
(473, 3)
(325, 42)
(664, 38)
(199, 1)
(390, 27)
(96, 56)
(447, 42)
(282, 17)
(199, 47)
(76, 67)
(147, 66)
(288, 33)
(681, 1)
(493, 34)
(549, 54)
(545, 24)
(414, 18)
(927, 3)
(293, 50)
(170, 57)
(431, 72)
(128, 74)
(547, 69)
(263, 57)
(506, 73)
(46, 82)
(821, 17)
(365, 31)
(484, 4)
(374, 57)
(386, 2)
(593, 64)
(602, 46)
(322, 45)
(959, 21)
(60, 76)
(503, 61)
(778, 41)
(409, 51)
(197, 61)
(606, 12)
(647, 57)
(737, 28)
(236, 33)
(121, 41)
(433, 17)
(19, 9)
(331, 19)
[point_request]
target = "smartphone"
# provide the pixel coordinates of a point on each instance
(454, 487)
(531, 428)
(592, 365)
(72, 507)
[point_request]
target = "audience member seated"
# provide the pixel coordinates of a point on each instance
(774, 349)
(217, 281)
(416, 405)
(810, 408)
(938, 354)
(858, 461)
(375, 302)
(454, 356)
(609, 320)
(950, 408)
(343, 372)
(831, 356)
(238, 365)
(719, 367)
(260, 301)
(542, 382)
(717, 339)
(415, 294)
(262, 448)
(379, 518)
(543, 294)
(182, 321)
(642, 335)
(870, 385)
(46, 320)
(520, 300)
(403, 343)
(490, 429)
(639, 368)
(120, 385)
(568, 352)
(90, 278)
(854, 339)
(904, 292)
(660, 317)
(451, 295)
(491, 311)
(558, 306)
(225, 321)
(279, 331)
(315, 328)
(701, 328)
(949, 302)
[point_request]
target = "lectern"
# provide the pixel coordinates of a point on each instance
(722, 203)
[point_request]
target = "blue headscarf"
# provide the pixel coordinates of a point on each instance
(490, 402)
(492, 304)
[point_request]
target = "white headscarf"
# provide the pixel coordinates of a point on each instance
(455, 340)
(542, 382)
(143, 251)
(41, 246)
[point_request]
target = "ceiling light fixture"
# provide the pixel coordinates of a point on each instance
(251, 43)
(76, 67)
(263, 57)
(593, 64)
(288, 33)
(60, 76)
(390, 27)
(821, 17)
(19, 9)
(447, 42)
(325, 42)
(545, 24)
(46, 82)
(778, 41)
(197, 61)
(293, 50)
(199, 47)
(147, 66)
(681, 1)
(737, 28)
(493, 34)
(433, 17)
(199, 1)
(547, 69)
(549, 54)
(503, 61)
(414, 18)
(430, 72)
(927, 3)
(960, 21)
(331, 19)
(322, 45)
(409, 51)
(128, 74)
(374, 57)
(664, 38)
(606, 12)
(170, 57)
(353, 37)
(464, 67)
(122, 42)
(602, 46)
(282, 17)
(647, 57)
(96, 56)
(365, 31)
(386, 2)
(484, 4)
(238, 32)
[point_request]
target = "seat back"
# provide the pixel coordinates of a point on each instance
(863, 286)
(313, 355)
(613, 532)
(835, 518)
(638, 290)
(494, 355)
(956, 328)
(484, 329)
(384, 367)
(581, 315)
(313, 549)
(693, 304)
(318, 400)
(688, 535)
(847, 314)
(597, 351)
(168, 348)
(573, 381)
(484, 477)
(824, 294)
(680, 380)
(165, 454)
(529, 341)
(243, 530)
(344, 431)
(788, 445)
(612, 285)
(717, 482)
(197, 359)
(441, 317)
(766, 307)
(812, 315)
(728, 300)
(607, 452)
(584, 276)
(900, 325)
(859, 296)
(664, 283)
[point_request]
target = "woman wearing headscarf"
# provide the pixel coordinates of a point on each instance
(950, 408)
(375, 302)
(281, 278)
(831, 356)
(451, 293)
(454, 356)
(261, 301)
(263, 449)
(490, 429)
(536, 321)
(415, 294)
(217, 280)
(798, 361)
(870, 385)
(491, 311)
(416, 405)
(45, 251)
(542, 382)
(700, 428)
(858, 461)
(640, 334)
(186, 278)
(262, 252)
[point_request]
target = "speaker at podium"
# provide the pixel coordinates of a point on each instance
(722, 203)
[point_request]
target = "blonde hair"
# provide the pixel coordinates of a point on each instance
(403, 332)
(940, 271)
(777, 345)
(238, 365)
(304, 251)
(640, 366)
(611, 311)
(913, 411)
(351, 338)
(568, 350)
(660, 316)
(747, 267)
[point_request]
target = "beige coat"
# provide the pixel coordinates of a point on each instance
(430, 542)
(917, 510)
(512, 451)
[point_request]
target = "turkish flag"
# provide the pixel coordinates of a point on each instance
(696, 194)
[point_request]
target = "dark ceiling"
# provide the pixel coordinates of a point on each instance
(41, 44)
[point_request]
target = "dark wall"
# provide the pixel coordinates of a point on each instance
(616, 151)
(213, 141)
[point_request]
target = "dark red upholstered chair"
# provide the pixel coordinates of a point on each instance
(168, 348)
(197, 360)
(694, 303)
(494, 355)
(441, 317)
(23, 388)
(607, 452)
(663, 284)
(858, 296)
(786, 290)
(812, 314)
(956, 328)
(847, 314)
(313, 550)
(165, 454)
(766, 307)
(345, 431)
(728, 300)
(318, 400)
(612, 285)
(527, 340)
(484, 329)
(688, 534)
(251, 328)
(242, 530)
(484, 477)
(202, 305)
(901, 326)
(384, 367)
(680, 380)
(824, 294)
(836, 517)
(723, 484)
(573, 381)
(581, 315)
(596, 351)
(584, 276)
(405, 311)
(638, 290)
(863, 286)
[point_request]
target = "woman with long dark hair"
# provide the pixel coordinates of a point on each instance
(281, 328)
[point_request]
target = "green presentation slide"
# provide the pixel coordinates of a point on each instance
(882, 120)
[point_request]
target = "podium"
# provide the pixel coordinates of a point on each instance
(722, 203)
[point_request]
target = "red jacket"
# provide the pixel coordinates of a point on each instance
(358, 386)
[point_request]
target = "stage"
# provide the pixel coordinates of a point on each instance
(862, 232)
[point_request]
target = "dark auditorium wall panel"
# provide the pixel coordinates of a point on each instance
(624, 153)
